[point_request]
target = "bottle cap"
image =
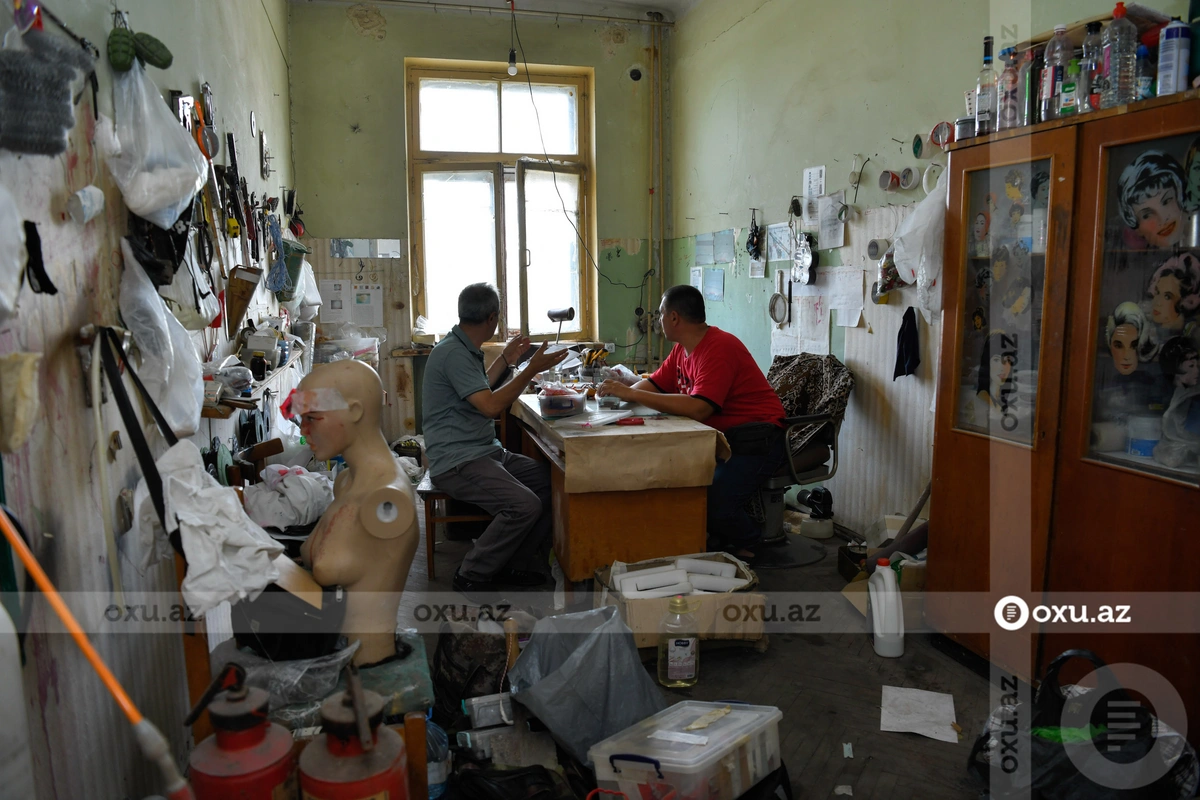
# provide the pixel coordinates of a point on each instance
(1143, 51)
(883, 562)
(1119, 11)
(1060, 28)
(678, 605)
(1094, 27)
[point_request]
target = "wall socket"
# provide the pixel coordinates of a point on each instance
(610, 347)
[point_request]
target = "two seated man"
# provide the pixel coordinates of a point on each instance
(709, 376)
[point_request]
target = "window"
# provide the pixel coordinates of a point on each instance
(498, 167)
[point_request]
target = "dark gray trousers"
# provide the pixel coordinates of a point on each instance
(515, 490)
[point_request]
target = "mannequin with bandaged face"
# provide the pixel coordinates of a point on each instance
(366, 540)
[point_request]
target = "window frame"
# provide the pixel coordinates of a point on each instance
(421, 161)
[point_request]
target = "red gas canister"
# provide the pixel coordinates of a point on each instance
(248, 757)
(354, 757)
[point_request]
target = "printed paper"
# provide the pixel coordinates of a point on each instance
(704, 249)
(723, 247)
(779, 242)
(360, 304)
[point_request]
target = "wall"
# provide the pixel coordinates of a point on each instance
(348, 121)
(82, 745)
(761, 89)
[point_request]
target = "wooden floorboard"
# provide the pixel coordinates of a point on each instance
(828, 687)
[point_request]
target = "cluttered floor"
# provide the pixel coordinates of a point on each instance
(828, 687)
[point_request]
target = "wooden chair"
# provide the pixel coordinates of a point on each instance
(432, 496)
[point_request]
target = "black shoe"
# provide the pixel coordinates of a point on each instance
(466, 585)
(520, 577)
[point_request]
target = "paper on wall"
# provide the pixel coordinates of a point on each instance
(704, 248)
(758, 268)
(845, 293)
(697, 277)
(779, 242)
(811, 317)
(814, 181)
(360, 304)
(831, 232)
(714, 284)
(723, 247)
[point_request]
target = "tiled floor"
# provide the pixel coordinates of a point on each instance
(828, 687)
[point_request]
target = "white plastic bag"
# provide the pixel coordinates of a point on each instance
(919, 239)
(159, 168)
(185, 393)
(191, 298)
(12, 253)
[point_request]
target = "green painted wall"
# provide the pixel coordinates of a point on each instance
(761, 89)
(345, 73)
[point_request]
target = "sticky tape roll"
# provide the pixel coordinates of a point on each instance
(876, 248)
(929, 179)
(908, 178)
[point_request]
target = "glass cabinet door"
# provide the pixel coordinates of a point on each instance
(1003, 282)
(1146, 385)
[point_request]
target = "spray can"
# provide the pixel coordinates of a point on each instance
(1174, 56)
(248, 756)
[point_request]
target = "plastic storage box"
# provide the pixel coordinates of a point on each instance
(561, 405)
(719, 761)
(489, 710)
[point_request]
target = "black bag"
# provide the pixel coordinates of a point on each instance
(466, 664)
(1115, 758)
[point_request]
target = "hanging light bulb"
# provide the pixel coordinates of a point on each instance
(512, 62)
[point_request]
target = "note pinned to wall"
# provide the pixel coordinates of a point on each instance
(704, 249)
(831, 231)
(814, 181)
(359, 304)
(714, 284)
(779, 242)
(811, 315)
(845, 293)
(723, 247)
(758, 268)
(697, 277)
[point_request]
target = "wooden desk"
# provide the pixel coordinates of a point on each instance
(622, 493)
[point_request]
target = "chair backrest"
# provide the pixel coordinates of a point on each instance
(811, 384)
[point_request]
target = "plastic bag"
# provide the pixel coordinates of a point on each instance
(581, 676)
(12, 253)
(146, 315)
(919, 239)
(306, 680)
(185, 393)
(191, 298)
(160, 168)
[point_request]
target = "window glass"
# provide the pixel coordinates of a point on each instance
(459, 116)
(554, 252)
(459, 234)
(1003, 281)
(556, 114)
(1146, 389)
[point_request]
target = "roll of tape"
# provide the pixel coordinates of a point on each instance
(889, 181)
(929, 178)
(908, 178)
(942, 134)
(877, 247)
(922, 146)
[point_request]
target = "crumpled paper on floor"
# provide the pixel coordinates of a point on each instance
(918, 711)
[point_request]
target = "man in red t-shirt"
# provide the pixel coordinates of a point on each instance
(711, 377)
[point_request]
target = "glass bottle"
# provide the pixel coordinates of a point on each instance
(1027, 87)
(985, 93)
(1009, 109)
(1092, 69)
(1119, 43)
(678, 646)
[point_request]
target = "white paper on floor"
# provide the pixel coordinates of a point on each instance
(918, 711)
(847, 750)
(848, 791)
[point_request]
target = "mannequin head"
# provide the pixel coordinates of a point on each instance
(1174, 291)
(338, 404)
(1150, 191)
(1180, 363)
(1128, 338)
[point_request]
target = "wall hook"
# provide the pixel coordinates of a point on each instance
(361, 267)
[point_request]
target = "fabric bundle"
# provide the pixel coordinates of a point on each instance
(35, 93)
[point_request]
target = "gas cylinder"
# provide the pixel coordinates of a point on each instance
(354, 757)
(248, 757)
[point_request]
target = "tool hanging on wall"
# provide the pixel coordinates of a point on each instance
(754, 239)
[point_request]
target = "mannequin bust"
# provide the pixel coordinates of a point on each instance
(366, 540)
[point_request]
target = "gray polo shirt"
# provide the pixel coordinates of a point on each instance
(455, 431)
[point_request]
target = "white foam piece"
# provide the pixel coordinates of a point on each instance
(642, 573)
(663, 591)
(657, 580)
(715, 583)
(696, 566)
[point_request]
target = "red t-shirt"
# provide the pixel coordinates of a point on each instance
(722, 372)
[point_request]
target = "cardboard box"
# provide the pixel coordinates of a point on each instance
(729, 615)
(912, 594)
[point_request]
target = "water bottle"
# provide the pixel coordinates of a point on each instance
(885, 612)
(1119, 45)
(1027, 87)
(1058, 55)
(1174, 54)
(437, 758)
(678, 646)
(1091, 69)
(1009, 91)
(1145, 73)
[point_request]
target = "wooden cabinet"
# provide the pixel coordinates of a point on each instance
(1068, 421)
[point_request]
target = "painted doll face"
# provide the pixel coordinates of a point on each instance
(1193, 180)
(1164, 303)
(981, 227)
(1189, 373)
(1123, 347)
(999, 370)
(1159, 217)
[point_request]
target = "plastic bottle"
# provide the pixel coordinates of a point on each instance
(1174, 55)
(985, 93)
(1028, 78)
(1068, 101)
(437, 758)
(885, 613)
(1145, 73)
(1009, 105)
(1091, 69)
(1119, 44)
(1058, 55)
(678, 646)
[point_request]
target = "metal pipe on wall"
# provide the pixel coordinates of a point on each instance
(505, 11)
(662, 194)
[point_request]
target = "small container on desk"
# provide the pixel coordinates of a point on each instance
(562, 403)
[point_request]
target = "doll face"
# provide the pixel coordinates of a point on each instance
(1000, 370)
(1164, 303)
(1189, 373)
(999, 270)
(1123, 347)
(1158, 218)
(981, 227)
(327, 432)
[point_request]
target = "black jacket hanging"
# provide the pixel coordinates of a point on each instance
(908, 348)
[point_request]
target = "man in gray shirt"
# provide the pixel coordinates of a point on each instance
(465, 459)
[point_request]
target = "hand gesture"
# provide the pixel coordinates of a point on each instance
(542, 361)
(515, 348)
(614, 388)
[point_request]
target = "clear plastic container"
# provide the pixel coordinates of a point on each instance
(490, 710)
(1093, 69)
(720, 761)
(561, 404)
(1058, 56)
(1145, 73)
(1119, 44)
(1009, 91)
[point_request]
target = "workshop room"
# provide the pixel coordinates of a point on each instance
(599, 399)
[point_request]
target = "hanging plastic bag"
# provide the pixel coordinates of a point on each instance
(185, 394)
(191, 297)
(920, 238)
(159, 168)
(12, 253)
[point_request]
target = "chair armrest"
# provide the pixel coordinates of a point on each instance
(807, 419)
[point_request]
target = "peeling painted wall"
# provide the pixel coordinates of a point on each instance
(82, 745)
(348, 119)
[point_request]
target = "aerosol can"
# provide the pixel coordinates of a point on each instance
(354, 757)
(248, 757)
